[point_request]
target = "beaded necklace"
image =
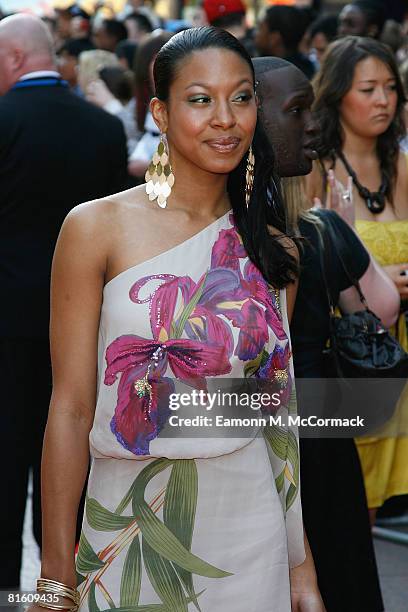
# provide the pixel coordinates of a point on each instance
(375, 200)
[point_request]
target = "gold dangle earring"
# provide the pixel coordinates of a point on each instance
(249, 177)
(159, 176)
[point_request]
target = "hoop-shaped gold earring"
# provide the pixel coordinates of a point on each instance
(159, 176)
(249, 177)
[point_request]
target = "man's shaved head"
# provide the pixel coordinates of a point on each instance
(265, 64)
(25, 46)
(28, 33)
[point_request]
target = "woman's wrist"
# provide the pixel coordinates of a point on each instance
(64, 574)
(57, 602)
(304, 575)
(56, 595)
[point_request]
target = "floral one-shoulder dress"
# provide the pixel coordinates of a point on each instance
(180, 523)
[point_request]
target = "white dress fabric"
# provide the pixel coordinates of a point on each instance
(180, 523)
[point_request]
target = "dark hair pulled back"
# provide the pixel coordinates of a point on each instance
(146, 52)
(332, 83)
(266, 251)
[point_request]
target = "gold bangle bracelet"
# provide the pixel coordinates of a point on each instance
(55, 607)
(45, 585)
(61, 593)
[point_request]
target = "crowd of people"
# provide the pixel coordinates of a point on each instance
(299, 34)
(201, 195)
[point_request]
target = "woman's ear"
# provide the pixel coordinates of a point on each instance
(158, 109)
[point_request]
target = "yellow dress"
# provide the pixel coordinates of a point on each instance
(384, 460)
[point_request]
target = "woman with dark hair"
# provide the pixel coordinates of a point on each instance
(144, 92)
(143, 69)
(359, 103)
(178, 286)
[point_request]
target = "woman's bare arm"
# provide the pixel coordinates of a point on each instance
(378, 288)
(76, 290)
(380, 292)
(304, 590)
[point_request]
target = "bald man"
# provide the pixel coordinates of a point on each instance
(24, 46)
(56, 151)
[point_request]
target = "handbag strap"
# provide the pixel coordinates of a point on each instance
(335, 244)
(324, 256)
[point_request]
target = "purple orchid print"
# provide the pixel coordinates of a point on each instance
(228, 250)
(275, 370)
(254, 292)
(192, 338)
(139, 416)
(197, 314)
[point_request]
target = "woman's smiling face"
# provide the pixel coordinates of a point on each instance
(211, 112)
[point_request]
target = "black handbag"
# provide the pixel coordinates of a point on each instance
(367, 361)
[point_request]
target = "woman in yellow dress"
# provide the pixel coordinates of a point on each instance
(359, 102)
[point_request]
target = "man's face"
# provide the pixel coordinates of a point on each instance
(135, 33)
(63, 24)
(102, 40)
(319, 43)
(286, 97)
(263, 39)
(352, 22)
(67, 65)
(79, 27)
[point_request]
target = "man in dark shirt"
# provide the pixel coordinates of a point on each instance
(279, 34)
(56, 151)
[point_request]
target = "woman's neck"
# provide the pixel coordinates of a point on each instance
(198, 192)
(355, 146)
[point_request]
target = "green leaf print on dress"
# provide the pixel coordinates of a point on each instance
(179, 510)
(161, 549)
(282, 441)
(87, 560)
(284, 456)
(132, 574)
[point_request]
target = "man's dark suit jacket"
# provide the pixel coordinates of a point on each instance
(56, 151)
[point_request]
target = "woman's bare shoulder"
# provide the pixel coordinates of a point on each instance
(403, 165)
(100, 218)
(401, 192)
